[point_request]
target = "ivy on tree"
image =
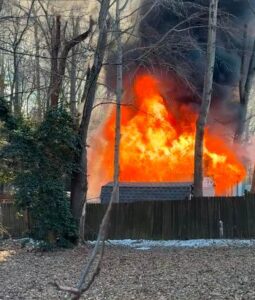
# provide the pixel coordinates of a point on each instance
(38, 160)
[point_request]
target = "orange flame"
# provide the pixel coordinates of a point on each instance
(157, 144)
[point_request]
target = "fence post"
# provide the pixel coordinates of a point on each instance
(221, 229)
(1, 222)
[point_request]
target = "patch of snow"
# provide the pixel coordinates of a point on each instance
(199, 243)
(143, 248)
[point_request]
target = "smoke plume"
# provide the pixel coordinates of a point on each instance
(172, 38)
(170, 45)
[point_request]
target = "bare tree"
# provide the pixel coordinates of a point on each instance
(246, 87)
(79, 184)
(97, 254)
(18, 38)
(249, 92)
(58, 60)
(73, 69)
(206, 101)
(1, 4)
(119, 64)
(2, 76)
(37, 72)
(246, 91)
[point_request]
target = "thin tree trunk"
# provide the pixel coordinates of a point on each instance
(253, 182)
(98, 251)
(243, 102)
(16, 84)
(1, 4)
(118, 105)
(37, 73)
(73, 73)
(15, 98)
(247, 92)
(79, 177)
(206, 101)
(73, 84)
(55, 45)
(2, 85)
(2, 77)
(242, 66)
(58, 64)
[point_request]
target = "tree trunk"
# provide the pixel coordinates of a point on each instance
(73, 72)
(37, 73)
(253, 182)
(243, 66)
(16, 84)
(2, 77)
(79, 178)
(58, 64)
(55, 45)
(247, 94)
(206, 101)
(118, 105)
(73, 85)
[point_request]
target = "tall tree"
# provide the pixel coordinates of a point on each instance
(37, 72)
(246, 92)
(73, 70)
(18, 38)
(84, 284)
(79, 184)
(249, 92)
(119, 65)
(246, 87)
(59, 58)
(206, 100)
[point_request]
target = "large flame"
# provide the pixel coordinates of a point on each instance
(157, 144)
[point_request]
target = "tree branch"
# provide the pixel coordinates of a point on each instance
(26, 26)
(1, 4)
(78, 39)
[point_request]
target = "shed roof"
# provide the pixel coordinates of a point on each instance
(148, 191)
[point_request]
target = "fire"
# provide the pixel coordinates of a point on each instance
(157, 144)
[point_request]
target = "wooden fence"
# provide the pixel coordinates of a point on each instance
(191, 219)
(12, 222)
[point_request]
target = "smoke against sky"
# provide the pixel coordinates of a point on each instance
(179, 63)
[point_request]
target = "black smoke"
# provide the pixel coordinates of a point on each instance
(188, 46)
(172, 38)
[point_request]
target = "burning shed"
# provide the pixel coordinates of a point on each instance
(155, 191)
(138, 191)
(148, 191)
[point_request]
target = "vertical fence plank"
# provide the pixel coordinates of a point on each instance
(14, 223)
(157, 220)
(166, 220)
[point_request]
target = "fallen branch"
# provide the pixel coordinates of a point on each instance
(76, 293)
(80, 288)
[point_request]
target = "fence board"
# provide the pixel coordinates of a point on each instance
(12, 221)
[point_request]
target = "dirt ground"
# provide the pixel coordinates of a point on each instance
(208, 273)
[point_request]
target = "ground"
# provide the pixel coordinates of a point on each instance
(155, 274)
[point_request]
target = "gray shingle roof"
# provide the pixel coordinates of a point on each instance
(146, 191)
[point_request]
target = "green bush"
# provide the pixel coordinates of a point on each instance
(38, 159)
